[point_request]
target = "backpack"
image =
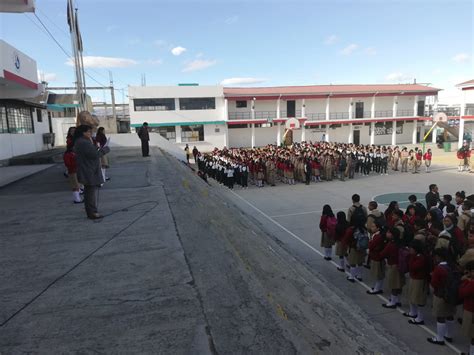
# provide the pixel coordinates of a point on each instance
(331, 223)
(380, 220)
(403, 254)
(358, 216)
(454, 248)
(450, 292)
(362, 239)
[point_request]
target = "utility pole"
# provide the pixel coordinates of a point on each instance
(112, 95)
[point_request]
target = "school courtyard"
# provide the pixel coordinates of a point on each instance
(180, 266)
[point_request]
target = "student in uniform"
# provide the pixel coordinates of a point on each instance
(466, 293)
(327, 226)
(356, 255)
(395, 279)
(427, 158)
(418, 284)
(443, 311)
(341, 250)
(377, 266)
(71, 165)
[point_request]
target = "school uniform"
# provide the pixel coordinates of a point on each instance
(395, 279)
(377, 266)
(341, 248)
(355, 257)
(439, 278)
(418, 284)
(466, 293)
(326, 240)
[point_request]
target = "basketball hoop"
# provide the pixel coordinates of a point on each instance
(440, 117)
(292, 123)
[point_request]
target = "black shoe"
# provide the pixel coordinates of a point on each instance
(78, 202)
(95, 216)
(448, 339)
(414, 322)
(341, 269)
(359, 278)
(393, 306)
(367, 266)
(407, 314)
(350, 279)
(107, 179)
(327, 258)
(460, 320)
(435, 341)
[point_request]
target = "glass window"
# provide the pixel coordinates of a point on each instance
(241, 104)
(263, 125)
(3, 120)
(20, 120)
(193, 133)
(168, 132)
(39, 115)
(154, 104)
(237, 126)
(197, 103)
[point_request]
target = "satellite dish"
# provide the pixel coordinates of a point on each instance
(440, 117)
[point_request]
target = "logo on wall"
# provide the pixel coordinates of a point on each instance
(16, 61)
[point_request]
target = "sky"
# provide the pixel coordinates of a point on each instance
(258, 43)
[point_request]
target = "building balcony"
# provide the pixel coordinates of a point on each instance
(316, 116)
(405, 113)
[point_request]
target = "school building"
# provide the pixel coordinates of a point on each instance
(216, 116)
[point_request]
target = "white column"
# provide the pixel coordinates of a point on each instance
(226, 135)
(350, 139)
(372, 109)
(278, 109)
(327, 118)
(303, 132)
(413, 133)
(351, 106)
(415, 106)
(461, 120)
(395, 106)
(253, 135)
(422, 131)
(327, 108)
(176, 104)
(178, 134)
(372, 133)
(278, 134)
(226, 110)
(394, 133)
(252, 110)
(435, 109)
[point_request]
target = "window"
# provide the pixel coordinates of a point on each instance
(197, 103)
(241, 104)
(154, 104)
(39, 115)
(20, 120)
(3, 120)
(237, 126)
(168, 132)
(193, 133)
(263, 125)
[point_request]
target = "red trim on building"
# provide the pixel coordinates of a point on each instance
(468, 88)
(245, 122)
(468, 117)
(18, 79)
(362, 120)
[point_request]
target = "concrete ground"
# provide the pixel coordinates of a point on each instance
(9, 174)
(178, 266)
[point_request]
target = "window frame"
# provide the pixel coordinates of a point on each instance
(183, 103)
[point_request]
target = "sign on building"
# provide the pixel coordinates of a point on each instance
(386, 128)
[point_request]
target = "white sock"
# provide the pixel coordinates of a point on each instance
(103, 173)
(390, 301)
(396, 299)
(413, 310)
(328, 252)
(378, 285)
(449, 328)
(353, 272)
(419, 318)
(440, 331)
(76, 196)
(341, 262)
(471, 349)
(359, 271)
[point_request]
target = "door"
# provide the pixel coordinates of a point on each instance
(421, 108)
(291, 108)
(359, 110)
(356, 137)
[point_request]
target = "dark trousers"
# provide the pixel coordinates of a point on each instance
(91, 199)
(145, 148)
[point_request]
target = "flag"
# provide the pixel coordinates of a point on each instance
(69, 15)
(78, 34)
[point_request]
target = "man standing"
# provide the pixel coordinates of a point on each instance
(144, 138)
(432, 197)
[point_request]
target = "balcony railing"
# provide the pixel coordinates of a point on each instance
(469, 111)
(338, 115)
(283, 114)
(260, 115)
(316, 116)
(240, 115)
(386, 113)
(366, 114)
(404, 113)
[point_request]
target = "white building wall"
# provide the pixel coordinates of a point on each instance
(384, 103)
(405, 102)
(264, 136)
(240, 137)
(339, 105)
(315, 105)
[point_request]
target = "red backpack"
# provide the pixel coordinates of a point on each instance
(331, 223)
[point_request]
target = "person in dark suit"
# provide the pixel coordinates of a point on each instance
(432, 197)
(144, 138)
(88, 168)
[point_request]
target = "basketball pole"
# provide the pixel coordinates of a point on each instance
(427, 134)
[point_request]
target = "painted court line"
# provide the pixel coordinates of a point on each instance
(429, 331)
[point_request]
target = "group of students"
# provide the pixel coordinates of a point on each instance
(430, 245)
(308, 162)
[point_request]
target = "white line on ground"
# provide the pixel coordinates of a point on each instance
(429, 331)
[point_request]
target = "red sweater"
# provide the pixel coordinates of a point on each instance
(427, 156)
(376, 245)
(417, 267)
(70, 162)
(348, 239)
(323, 223)
(439, 278)
(390, 252)
(466, 293)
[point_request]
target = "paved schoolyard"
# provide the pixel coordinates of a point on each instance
(291, 214)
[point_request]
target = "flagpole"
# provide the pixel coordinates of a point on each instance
(81, 61)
